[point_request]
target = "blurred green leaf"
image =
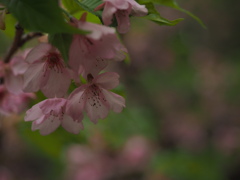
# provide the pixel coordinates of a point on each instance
(10, 22)
(62, 42)
(173, 4)
(40, 15)
(117, 128)
(71, 6)
(52, 144)
(183, 165)
(90, 5)
(154, 16)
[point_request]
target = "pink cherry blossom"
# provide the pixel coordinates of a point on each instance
(121, 9)
(49, 114)
(89, 54)
(95, 97)
(46, 72)
(13, 103)
(12, 72)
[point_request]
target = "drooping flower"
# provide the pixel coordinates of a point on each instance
(49, 114)
(89, 54)
(121, 9)
(13, 103)
(12, 72)
(95, 97)
(46, 72)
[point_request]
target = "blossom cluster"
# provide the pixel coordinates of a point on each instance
(43, 68)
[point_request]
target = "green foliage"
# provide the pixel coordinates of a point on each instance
(90, 5)
(117, 128)
(39, 15)
(183, 165)
(10, 22)
(173, 4)
(52, 144)
(154, 16)
(62, 42)
(71, 6)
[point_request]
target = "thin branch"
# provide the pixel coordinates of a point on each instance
(15, 45)
(28, 37)
(19, 40)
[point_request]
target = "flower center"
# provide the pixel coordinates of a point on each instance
(54, 62)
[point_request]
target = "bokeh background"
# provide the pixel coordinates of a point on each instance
(182, 120)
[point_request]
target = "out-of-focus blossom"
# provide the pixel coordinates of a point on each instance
(47, 72)
(5, 174)
(13, 103)
(136, 153)
(95, 97)
(121, 9)
(49, 114)
(12, 72)
(89, 54)
(227, 139)
(84, 163)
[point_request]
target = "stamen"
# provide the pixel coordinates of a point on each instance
(54, 62)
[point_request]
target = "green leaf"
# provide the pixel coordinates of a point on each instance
(71, 6)
(90, 5)
(62, 42)
(40, 15)
(173, 4)
(154, 16)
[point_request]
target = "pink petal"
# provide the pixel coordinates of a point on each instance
(108, 80)
(36, 124)
(18, 65)
(97, 30)
(107, 47)
(33, 77)
(123, 21)
(72, 126)
(108, 12)
(34, 113)
(137, 9)
(116, 102)
(96, 106)
(94, 66)
(38, 52)
(14, 83)
(119, 4)
(76, 53)
(57, 84)
(55, 104)
(76, 102)
(47, 125)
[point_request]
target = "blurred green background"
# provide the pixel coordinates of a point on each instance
(182, 120)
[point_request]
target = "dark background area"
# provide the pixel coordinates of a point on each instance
(182, 120)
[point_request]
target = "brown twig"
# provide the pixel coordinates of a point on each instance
(19, 40)
(15, 44)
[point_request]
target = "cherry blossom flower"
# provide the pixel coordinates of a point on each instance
(47, 72)
(49, 114)
(13, 103)
(121, 9)
(12, 72)
(95, 97)
(89, 54)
